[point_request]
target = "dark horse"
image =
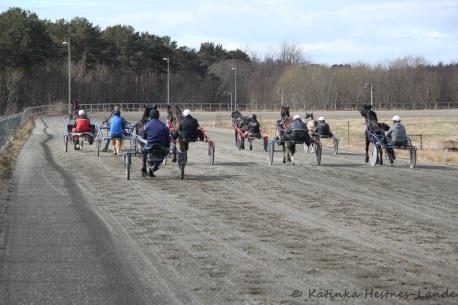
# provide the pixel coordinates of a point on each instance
(374, 126)
(239, 120)
(139, 127)
(282, 125)
(174, 118)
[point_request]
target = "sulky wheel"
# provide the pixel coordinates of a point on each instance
(65, 143)
(265, 143)
(182, 160)
(97, 144)
(127, 164)
(318, 153)
(336, 146)
(413, 157)
(374, 154)
(211, 152)
(271, 150)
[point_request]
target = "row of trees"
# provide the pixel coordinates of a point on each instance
(119, 64)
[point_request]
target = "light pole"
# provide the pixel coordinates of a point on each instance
(167, 59)
(235, 87)
(230, 93)
(281, 96)
(67, 43)
(370, 86)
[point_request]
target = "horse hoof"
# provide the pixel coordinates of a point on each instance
(367, 159)
(284, 160)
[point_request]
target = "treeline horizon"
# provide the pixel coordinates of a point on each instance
(119, 64)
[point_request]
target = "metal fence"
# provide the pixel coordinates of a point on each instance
(107, 107)
(10, 123)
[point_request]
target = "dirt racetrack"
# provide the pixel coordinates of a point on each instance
(244, 232)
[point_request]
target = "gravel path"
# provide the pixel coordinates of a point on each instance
(245, 232)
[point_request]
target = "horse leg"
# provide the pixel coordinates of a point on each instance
(380, 162)
(291, 152)
(143, 170)
(174, 152)
(284, 152)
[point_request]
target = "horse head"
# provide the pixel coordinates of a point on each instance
(284, 112)
(174, 117)
(146, 110)
(239, 120)
(309, 116)
(236, 115)
(367, 112)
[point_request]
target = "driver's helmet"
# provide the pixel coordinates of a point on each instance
(253, 116)
(321, 119)
(187, 112)
(297, 117)
(397, 118)
(81, 113)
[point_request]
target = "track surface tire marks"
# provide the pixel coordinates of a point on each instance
(56, 249)
(244, 232)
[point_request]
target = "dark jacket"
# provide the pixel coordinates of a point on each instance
(253, 126)
(323, 129)
(297, 131)
(188, 128)
(155, 132)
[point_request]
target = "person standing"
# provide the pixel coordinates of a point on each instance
(107, 140)
(117, 125)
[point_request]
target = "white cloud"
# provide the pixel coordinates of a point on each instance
(436, 35)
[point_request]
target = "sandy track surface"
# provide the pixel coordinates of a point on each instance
(245, 232)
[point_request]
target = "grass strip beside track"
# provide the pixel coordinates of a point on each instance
(11, 151)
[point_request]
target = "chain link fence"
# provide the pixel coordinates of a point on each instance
(10, 123)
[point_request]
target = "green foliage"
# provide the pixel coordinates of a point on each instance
(24, 40)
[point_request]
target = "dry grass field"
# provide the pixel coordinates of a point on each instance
(8, 156)
(435, 130)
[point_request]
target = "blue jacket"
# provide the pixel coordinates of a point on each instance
(117, 125)
(155, 132)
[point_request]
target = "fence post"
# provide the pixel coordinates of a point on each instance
(348, 132)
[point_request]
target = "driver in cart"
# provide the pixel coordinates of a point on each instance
(157, 137)
(253, 128)
(395, 136)
(82, 124)
(297, 131)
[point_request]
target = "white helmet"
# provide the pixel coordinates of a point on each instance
(296, 117)
(187, 112)
(397, 118)
(321, 118)
(81, 112)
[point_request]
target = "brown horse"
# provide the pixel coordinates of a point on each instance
(282, 125)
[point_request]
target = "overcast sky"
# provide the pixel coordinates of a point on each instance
(328, 31)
